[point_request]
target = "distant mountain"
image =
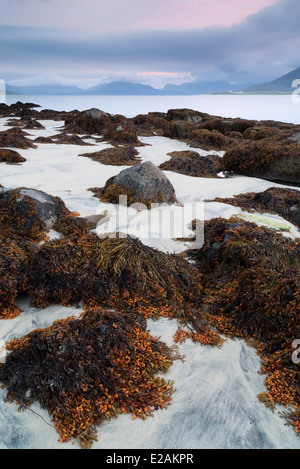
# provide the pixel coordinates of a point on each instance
(281, 85)
(201, 87)
(44, 90)
(124, 88)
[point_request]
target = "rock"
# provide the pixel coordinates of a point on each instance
(96, 220)
(282, 201)
(258, 133)
(191, 163)
(274, 160)
(23, 199)
(234, 134)
(96, 114)
(252, 279)
(226, 126)
(150, 124)
(144, 183)
(116, 156)
(64, 139)
(10, 156)
(296, 137)
(18, 109)
(15, 138)
(181, 129)
(32, 124)
(147, 182)
(32, 213)
(197, 137)
(51, 114)
(121, 133)
(25, 123)
(92, 121)
(188, 115)
(44, 140)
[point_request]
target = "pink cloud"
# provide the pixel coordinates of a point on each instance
(186, 14)
(122, 15)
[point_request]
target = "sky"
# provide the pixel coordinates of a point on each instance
(84, 43)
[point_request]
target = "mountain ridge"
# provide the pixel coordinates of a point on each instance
(281, 85)
(118, 88)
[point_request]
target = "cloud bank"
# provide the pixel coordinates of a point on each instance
(261, 47)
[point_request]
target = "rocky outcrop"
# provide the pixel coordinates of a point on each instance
(187, 115)
(226, 126)
(283, 201)
(17, 109)
(30, 205)
(191, 163)
(116, 156)
(150, 124)
(63, 139)
(32, 213)
(121, 132)
(259, 133)
(198, 137)
(91, 121)
(274, 160)
(251, 290)
(15, 138)
(10, 156)
(144, 183)
(25, 123)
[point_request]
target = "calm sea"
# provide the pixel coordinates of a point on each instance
(260, 107)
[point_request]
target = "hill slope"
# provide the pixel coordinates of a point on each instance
(282, 84)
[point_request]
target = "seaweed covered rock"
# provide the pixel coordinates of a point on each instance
(88, 369)
(283, 201)
(181, 129)
(15, 138)
(252, 290)
(44, 140)
(116, 156)
(17, 109)
(198, 137)
(92, 121)
(235, 135)
(10, 156)
(123, 274)
(225, 126)
(33, 213)
(192, 163)
(259, 133)
(65, 139)
(188, 115)
(275, 160)
(206, 139)
(144, 183)
(249, 258)
(121, 132)
(51, 114)
(150, 124)
(25, 123)
(15, 255)
(118, 272)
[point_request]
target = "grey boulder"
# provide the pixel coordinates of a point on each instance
(147, 183)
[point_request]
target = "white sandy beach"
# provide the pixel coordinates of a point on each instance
(215, 404)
